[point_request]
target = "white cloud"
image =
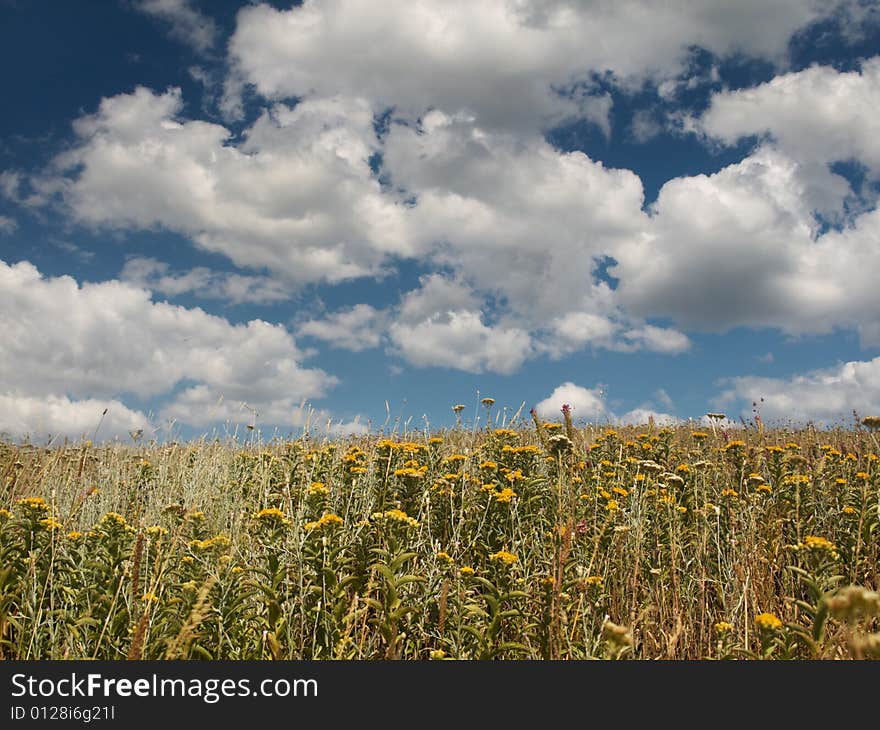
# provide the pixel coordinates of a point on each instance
(100, 341)
(642, 416)
(355, 329)
(58, 416)
(149, 273)
(187, 24)
(496, 59)
(818, 114)
(586, 403)
(440, 325)
(7, 224)
(656, 339)
(742, 247)
(296, 196)
(590, 405)
(513, 215)
(461, 340)
(576, 330)
(828, 396)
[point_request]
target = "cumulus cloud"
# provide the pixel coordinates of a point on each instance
(818, 114)
(440, 325)
(355, 329)
(149, 273)
(825, 396)
(517, 217)
(103, 340)
(744, 247)
(586, 403)
(589, 404)
(185, 23)
(296, 196)
(502, 61)
(58, 416)
(642, 416)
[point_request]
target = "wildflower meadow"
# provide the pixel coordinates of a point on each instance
(531, 540)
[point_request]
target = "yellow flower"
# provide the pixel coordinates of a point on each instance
(502, 556)
(768, 622)
(74, 535)
(490, 465)
(850, 510)
(272, 516)
(466, 570)
(51, 524)
(815, 542)
(505, 495)
(699, 435)
(328, 519)
(357, 470)
(36, 505)
(723, 627)
(444, 557)
(504, 432)
(593, 580)
(612, 505)
(156, 531)
(396, 515)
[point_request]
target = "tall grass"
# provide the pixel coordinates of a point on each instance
(544, 541)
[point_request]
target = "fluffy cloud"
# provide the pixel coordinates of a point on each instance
(499, 60)
(589, 404)
(58, 416)
(186, 23)
(641, 416)
(441, 325)
(825, 397)
(148, 273)
(744, 247)
(99, 341)
(296, 196)
(586, 403)
(818, 114)
(355, 329)
(515, 216)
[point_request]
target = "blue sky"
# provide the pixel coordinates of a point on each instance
(230, 213)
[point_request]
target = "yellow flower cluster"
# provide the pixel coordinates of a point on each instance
(768, 622)
(395, 515)
(502, 556)
(329, 519)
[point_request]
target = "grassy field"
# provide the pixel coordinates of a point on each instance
(540, 541)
